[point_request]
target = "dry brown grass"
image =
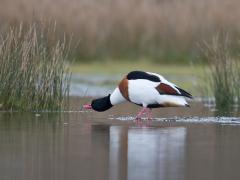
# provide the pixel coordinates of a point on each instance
(134, 28)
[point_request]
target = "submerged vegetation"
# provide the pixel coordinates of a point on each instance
(224, 73)
(33, 71)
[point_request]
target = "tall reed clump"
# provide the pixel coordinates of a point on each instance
(224, 73)
(33, 71)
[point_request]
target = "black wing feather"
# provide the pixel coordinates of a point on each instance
(184, 93)
(142, 75)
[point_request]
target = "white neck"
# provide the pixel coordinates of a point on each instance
(116, 97)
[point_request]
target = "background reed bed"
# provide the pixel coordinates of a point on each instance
(159, 30)
(33, 70)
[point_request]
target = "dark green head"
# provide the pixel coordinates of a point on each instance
(100, 104)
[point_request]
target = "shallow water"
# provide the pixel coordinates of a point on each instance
(87, 145)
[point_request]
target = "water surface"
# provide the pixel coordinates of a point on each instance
(89, 146)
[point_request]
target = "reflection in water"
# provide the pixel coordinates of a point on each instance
(30, 148)
(118, 148)
(149, 153)
(156, 153)
(71, 146)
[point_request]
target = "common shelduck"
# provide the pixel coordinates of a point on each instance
(146, 89)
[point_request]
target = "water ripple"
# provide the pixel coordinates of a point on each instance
(195, 119)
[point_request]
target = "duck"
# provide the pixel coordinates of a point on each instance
(146, 89)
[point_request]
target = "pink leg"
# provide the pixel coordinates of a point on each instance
(149, 114)
(143, 110)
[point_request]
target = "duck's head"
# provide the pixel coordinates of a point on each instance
(100, 104)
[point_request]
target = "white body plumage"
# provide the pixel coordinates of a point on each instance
(144, 92)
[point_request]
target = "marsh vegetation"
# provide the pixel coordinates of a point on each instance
(224, 76)
(33, 70)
